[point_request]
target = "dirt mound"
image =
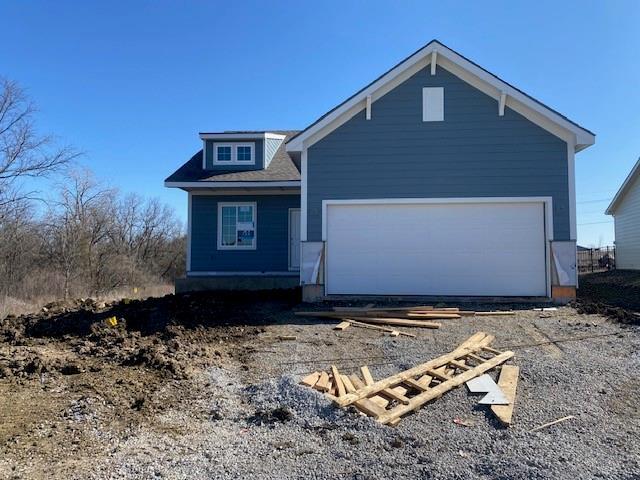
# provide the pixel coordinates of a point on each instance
(614, 294)
(166, 334)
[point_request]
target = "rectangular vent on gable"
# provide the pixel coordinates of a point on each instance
(433, 104)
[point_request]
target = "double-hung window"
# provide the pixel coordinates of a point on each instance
(237, 226)
(234, 154)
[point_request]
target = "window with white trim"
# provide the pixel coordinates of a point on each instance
(234, 154)
(237, 226)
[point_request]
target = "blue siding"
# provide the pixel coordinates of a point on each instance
(472, 153)
(270, 148)
(258, 154)
(272, 235)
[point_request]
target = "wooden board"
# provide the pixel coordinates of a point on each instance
(366, 374)
(508, 381)
(361, 316)
(337, 380)
(395, 321)
(355, 323)
(342, 326)
(311, 379)
(323, 382)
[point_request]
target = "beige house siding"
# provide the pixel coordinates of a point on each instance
(627, 228)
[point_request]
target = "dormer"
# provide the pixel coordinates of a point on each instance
(239, 151)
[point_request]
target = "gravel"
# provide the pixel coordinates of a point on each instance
(252, 419)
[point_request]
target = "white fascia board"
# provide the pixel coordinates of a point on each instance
(468, 72)
(265, 184)
(623, 188)
(241, 136)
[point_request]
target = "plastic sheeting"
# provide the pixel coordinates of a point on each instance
(311, 268)
(563, 271)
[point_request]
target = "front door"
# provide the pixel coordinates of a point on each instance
(294, 239)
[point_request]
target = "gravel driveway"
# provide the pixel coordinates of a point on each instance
(249, 418)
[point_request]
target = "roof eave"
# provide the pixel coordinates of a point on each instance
(635, 171)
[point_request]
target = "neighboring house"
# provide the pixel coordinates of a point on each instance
(438, 178)
(625, 208)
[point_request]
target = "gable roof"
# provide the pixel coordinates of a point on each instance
(633, 174)
(281, 169)
(462, 67)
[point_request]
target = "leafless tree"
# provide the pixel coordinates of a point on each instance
(23, 152)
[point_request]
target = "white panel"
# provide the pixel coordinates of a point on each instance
(432, 104)
(480, 249)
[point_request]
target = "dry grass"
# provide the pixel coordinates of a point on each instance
(18, 306)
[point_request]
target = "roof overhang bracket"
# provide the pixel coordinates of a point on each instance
(368, 107)
(434, 61)
(502, 103)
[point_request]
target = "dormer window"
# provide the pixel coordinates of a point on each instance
(234, 154)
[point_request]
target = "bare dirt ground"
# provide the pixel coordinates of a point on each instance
(201, 386)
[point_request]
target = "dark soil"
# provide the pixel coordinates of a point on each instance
(615, 294)
(167, 334)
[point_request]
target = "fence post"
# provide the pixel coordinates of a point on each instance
(591, 259)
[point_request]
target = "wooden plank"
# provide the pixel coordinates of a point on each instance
(366, 405)
(348, 386)
(311, 379)
(425, 397)
(491, 350)
(394, 395)
(331, 314)
(414, 372)
(355, 323)
(508, 381)
(495, 314)
(394, 333)
(438, 375)
(337, 380)
(416, 384)
(366, 374)
(395, 321)
(323, 382)
(342, 326)
(460, 365)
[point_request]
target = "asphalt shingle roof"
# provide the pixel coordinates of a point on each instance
(282, 168)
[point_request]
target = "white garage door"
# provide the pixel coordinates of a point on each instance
(436, 249)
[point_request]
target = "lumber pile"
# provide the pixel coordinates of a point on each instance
(389, 399)
(422, 316)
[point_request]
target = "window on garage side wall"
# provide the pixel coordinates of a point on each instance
(237, 226)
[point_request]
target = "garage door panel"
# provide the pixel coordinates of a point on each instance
(436, 249)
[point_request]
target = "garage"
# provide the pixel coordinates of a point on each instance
(488, 247)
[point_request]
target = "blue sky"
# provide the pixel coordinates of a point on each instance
(132, 83)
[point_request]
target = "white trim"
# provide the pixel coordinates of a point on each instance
(546, 201)
(242, 274)
(189, 210)
(368, 114)
(623, 189)
(434, 62)
(266, 183)
(465, 70)
(254, 205)
(204, 154)
(234, 153)
(241, 136)
(303, 195)
(247, 191)
(289, 241)
(571, 173)
(501, 104)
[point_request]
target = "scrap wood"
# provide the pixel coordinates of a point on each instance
(508, 382)
(473, 344)
(311, 380)
(342, 326)
(355, 323)
(384, 309)
(560, 420)
(286, 337)
(337, 380)
(395, 321)
(323, 382)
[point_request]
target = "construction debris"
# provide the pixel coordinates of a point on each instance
(560, 420)
(389, 399)
(342, 326)
(391, 331)
(508, 382)
(485, 384)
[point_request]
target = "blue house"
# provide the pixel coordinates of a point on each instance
(436, 179)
